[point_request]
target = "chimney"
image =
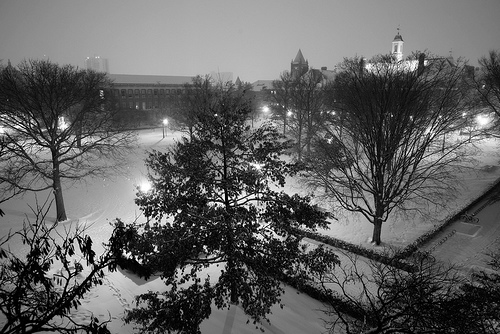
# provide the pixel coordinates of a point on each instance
(421, 59)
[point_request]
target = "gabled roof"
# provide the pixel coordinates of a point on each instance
(299, 58)
(149, 79)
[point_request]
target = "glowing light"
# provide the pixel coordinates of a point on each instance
(165, 122)
(265, 109)
(482, 120)
(62, 124)
(145, 186)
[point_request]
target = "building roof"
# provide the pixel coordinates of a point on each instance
(299, 58)
(259, 85)
(398, 38)
(149, 79)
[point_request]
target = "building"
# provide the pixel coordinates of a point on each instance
(397, 47)
(97, 63)
(147, 92)
(299, 66)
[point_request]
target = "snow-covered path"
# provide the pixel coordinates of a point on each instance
(467, 244)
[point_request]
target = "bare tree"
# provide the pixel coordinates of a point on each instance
(366, 296)
(392, 149)
(199, 98)
(58, 125)
(192, 104)
(42, 285)
(281, 99)
(487, 82)
(298, 103)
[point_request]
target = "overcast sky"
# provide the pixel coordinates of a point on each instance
(254, 39)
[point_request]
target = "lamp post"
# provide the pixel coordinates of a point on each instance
(165, 123)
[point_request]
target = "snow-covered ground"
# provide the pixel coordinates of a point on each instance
(97, 202)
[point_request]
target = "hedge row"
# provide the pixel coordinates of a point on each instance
(396, 261)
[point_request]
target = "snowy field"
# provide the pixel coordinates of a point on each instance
(97, 202)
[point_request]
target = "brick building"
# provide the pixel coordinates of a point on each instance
(147, 92)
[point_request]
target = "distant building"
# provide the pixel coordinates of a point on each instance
(397, 47)
(409, 65)
(147, 92)
(97, 63)
(299, 66)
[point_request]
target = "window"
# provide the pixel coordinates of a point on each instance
(124, 93)
(149, 91)
(143, 105)
(167, 91)
(143, 93)
(131, 105)
(395, 48)
(117, 92)
(130, 92)
(156, 92)
(179, 91)
(137, 105)
(136, 93)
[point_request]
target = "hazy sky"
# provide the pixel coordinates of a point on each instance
(254, 39)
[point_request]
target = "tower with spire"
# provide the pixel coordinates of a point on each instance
(299, 65)
(397, 47)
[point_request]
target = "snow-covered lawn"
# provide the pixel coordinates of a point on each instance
(97, 202)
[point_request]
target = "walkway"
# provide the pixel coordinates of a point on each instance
(468, 244)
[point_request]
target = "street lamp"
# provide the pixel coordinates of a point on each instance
(145, 186)
(165, 123)
(482, 120)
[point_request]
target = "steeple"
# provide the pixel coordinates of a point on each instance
(397, 47)
(299, 65)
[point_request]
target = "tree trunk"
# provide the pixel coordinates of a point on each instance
(79, 135)
(58, 195)
(231, 266)
(377, 231)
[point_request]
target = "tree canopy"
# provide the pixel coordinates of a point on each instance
(398, 141)
(57, 125)
(219, 229)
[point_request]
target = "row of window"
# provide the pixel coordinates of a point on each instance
(143, 105)
(145, 92)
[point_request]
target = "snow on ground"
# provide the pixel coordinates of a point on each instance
(97, 202)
